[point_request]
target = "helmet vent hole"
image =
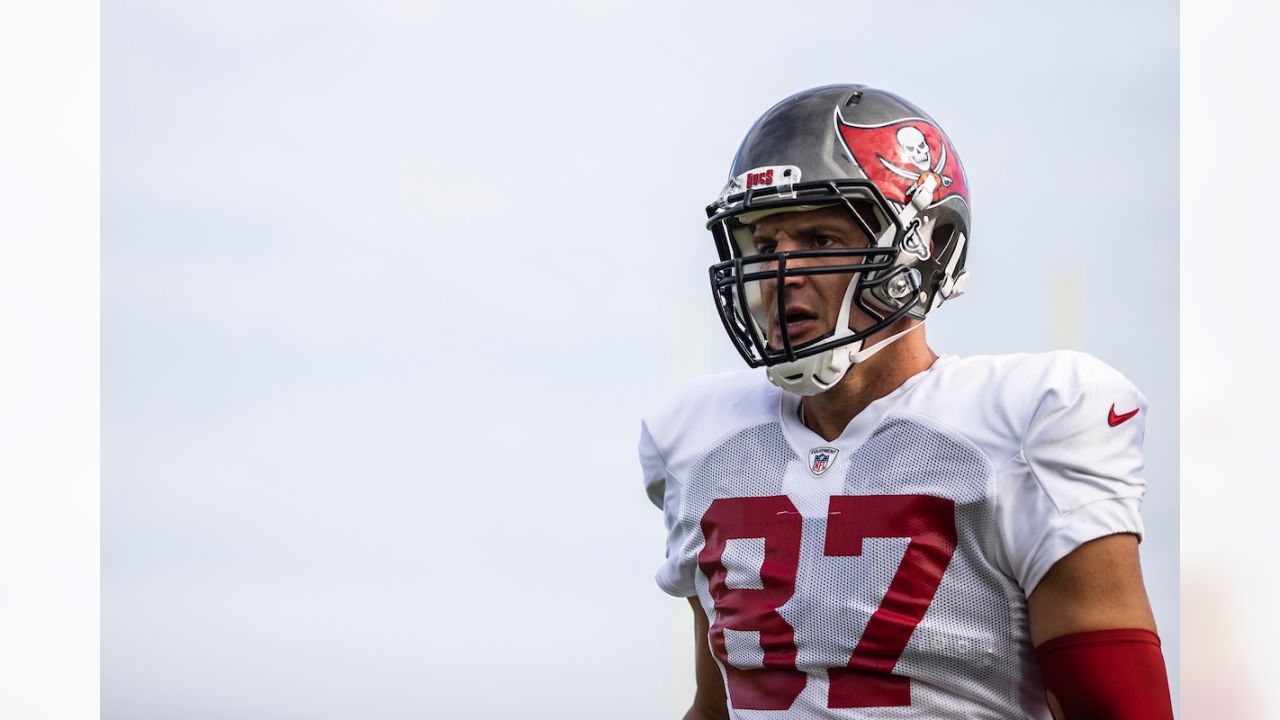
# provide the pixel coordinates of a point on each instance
(854, 98)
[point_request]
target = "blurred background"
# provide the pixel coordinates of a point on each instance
(387, 285)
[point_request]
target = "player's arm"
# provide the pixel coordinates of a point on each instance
(1095, 638)
(709, 701)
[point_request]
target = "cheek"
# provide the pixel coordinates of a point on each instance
(831, 290)
(766, 291)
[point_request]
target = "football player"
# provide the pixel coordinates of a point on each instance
(869, 530)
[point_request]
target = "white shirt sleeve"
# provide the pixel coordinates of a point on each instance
(1078, 476)
(663, 487)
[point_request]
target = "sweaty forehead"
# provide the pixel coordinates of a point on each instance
(828, 219)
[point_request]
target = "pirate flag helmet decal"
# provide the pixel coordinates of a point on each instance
(897, 175)
(899, 155)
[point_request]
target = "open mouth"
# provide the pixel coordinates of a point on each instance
(802, 325)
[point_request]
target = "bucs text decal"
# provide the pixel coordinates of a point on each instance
(868, 679)
(899, 155)
(759, 178)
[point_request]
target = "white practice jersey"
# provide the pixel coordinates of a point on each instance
(884, 574)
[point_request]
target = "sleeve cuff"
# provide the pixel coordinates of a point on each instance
(1076, 527)
(673, 582)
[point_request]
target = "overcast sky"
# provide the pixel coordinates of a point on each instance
(387, 286)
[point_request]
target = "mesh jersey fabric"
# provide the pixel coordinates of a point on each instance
(962, 488)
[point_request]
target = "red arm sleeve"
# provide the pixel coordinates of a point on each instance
(1106, 674)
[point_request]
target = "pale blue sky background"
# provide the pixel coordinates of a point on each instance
(387, 286)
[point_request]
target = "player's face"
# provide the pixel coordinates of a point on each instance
(813, 302)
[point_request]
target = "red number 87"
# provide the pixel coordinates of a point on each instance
(868, 679)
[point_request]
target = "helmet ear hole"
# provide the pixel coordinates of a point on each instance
(943, 235)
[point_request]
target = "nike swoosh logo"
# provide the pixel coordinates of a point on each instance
(1113, 419)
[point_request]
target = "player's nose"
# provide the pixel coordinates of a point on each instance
(788, 244)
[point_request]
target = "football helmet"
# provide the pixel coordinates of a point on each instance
(895, 172)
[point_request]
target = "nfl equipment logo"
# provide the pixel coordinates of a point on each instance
(821, 458)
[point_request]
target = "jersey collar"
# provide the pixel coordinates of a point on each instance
(802, 439)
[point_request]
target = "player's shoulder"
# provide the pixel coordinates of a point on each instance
(706, 407)
(1029, 375)
(995, 400)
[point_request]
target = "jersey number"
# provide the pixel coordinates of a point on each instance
(868, 679)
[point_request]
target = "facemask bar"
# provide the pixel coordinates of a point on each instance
(730, 286)
(735, 280)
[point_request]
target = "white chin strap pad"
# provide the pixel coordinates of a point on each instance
(816, 374)
(819, 373)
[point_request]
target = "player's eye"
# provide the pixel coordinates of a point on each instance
(823, 241)
(764, 248)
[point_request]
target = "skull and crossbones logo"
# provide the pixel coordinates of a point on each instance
(915, 148)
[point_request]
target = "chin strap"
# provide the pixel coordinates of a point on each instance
(857, 356)
(819, 373)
